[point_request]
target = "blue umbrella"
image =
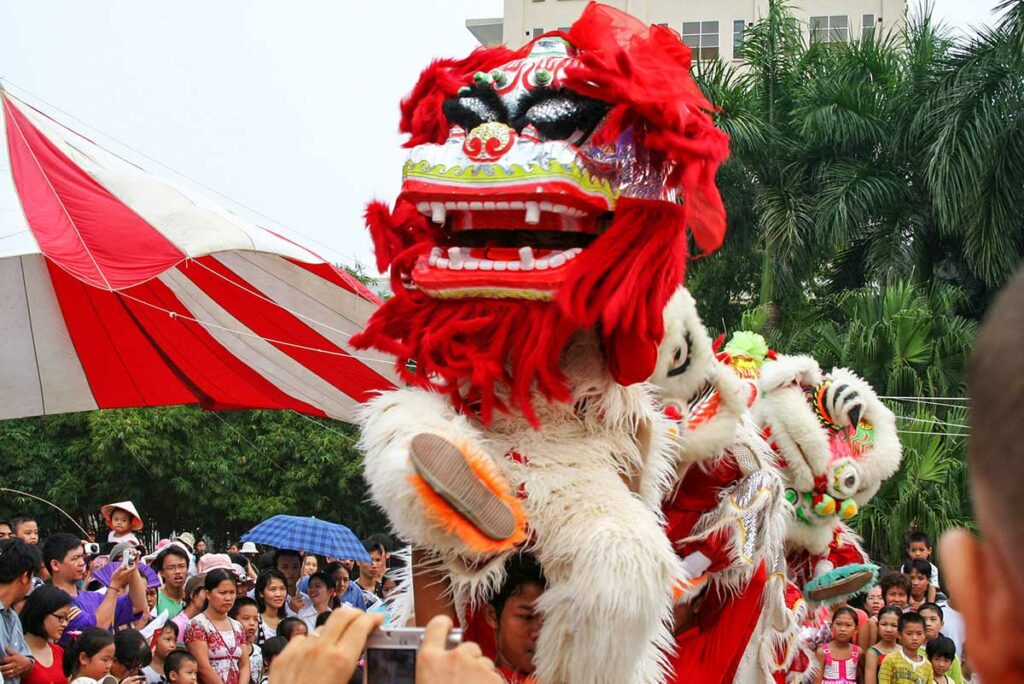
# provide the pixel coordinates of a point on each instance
(310, 535)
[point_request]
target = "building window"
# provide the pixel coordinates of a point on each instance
(538, 32)
(702, 37)
(738, 27)
(832, 29)
(867, 27)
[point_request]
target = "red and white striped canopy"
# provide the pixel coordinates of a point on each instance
(118, 289)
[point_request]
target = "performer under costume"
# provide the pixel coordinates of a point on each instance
(541, 229)
(726, 513)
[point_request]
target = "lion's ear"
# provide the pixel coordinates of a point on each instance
(631, 357)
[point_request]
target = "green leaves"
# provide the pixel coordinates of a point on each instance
(187, 469)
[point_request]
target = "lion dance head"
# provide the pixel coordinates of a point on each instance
(548, 190)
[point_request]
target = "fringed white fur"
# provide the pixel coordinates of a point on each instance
(685, 340)
(595, 476)
(401, 602)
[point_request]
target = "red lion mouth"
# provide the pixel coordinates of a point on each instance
(547, 191)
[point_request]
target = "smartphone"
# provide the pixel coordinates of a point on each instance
(391, 654)
(91, 548)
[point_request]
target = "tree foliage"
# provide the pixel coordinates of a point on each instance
(186, 469)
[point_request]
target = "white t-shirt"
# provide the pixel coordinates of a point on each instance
(953, 627)
(307, 613)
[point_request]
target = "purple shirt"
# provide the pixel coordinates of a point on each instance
(83, 613)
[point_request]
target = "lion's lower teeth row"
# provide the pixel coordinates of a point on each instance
(458, 259)
(438, 211)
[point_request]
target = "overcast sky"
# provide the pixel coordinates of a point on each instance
(290, 109)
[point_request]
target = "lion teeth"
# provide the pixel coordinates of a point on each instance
(526, 257)
(532, 213)
(437, 212)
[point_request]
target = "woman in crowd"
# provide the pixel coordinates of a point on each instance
(310, 565)
(271, 594)
(44, 617)
(215, 640)
(195, 602)
(322, 592)
(90, 656)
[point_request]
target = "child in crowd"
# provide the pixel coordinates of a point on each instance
(272, 647)
(291, 627)
(941, 654)
(247, 612)
(888, 620)
(123, 521)
(907, 666)
(165, 641)
(933, 622)
(181, 667)
(920, 586)
(89, 657)
(25, 528)
(837, 659)
(919, 547)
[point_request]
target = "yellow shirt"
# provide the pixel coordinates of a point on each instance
(899, 669)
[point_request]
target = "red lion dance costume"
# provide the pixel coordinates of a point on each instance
(542, 228)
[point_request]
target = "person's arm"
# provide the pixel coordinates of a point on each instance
(429, 591)
(200, 650)
(243, 665)
(870, 667)
(137, 591)
(864, 636)
(931, 593)
(105, 611)
(885, 673)
(820, 674)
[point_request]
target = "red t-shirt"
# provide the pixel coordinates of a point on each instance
(54, 674)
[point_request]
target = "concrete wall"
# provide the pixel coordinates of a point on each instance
(522, 17)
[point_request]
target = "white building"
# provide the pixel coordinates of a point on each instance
(712, 28)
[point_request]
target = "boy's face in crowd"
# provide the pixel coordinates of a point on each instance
(188, 673)
(28, 532)
(151, 597)
(72, 568)
(166, 643)
(940, 665)
(290, 567)
(249, 617)
(919, 550)
(200, 547)
(896, 596)
(911, 637)
(918, 584)
(121, 521)
(932, 623)
(5, 531)
(515, 631)
(174, 571)
(375, 568)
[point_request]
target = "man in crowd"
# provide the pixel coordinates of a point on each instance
(25, 528)
(987, 576)
(513, 616)
(172, 564)
(18, 562)
(64, 557)
(289, 564)
(5, 530)
(372, 573)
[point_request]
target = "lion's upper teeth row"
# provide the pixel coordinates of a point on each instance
(437, 211)
(458, 259)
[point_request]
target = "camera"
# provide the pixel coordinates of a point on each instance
(391, 654)
(91, 548)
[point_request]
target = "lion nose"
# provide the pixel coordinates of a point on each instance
(489, 141)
